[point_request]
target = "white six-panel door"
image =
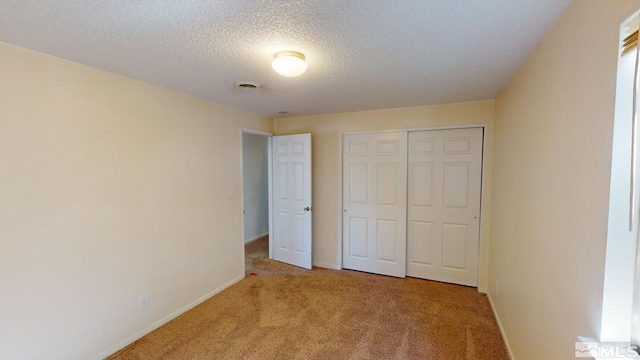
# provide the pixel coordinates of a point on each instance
(291, 199)
(374, 193)
(445, 169)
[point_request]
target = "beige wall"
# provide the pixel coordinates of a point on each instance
(326, 137)
(111, 188)
(552, 155)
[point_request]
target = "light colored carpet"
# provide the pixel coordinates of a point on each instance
(289, 313)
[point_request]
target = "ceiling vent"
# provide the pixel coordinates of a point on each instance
(247, 85)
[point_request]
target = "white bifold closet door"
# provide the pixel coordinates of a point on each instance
(375, 203)
(445, 169)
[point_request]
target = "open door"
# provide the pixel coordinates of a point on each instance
(290, 199)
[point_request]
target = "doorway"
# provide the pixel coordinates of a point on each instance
(276, 198)
(255, 197)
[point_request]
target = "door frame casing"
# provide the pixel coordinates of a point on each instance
(268, 135)
(485, 151)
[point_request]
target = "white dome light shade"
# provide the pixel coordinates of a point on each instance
(289, 63)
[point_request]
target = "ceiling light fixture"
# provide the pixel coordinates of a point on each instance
(289, 63)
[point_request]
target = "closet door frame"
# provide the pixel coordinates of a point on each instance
(484, 192)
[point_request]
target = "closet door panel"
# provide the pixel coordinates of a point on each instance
(443, 211)
(374, 200)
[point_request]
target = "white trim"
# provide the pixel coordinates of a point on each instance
(244, 255)
(255, 132)
(481, 215)
(270, 191)
(256, 238)
(340, 234)
(427, 128)
(326, 265)
(616, 311)
(504, 336)
(130, 340)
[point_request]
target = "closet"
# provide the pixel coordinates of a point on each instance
(411, 203)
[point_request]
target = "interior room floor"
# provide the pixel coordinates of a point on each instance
(283, 312)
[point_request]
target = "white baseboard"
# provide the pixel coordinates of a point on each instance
(483, 291)
(504, 337)
(326, 265)
(130, 340)
(256, 238)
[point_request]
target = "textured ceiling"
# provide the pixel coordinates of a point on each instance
(362, 54)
